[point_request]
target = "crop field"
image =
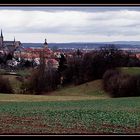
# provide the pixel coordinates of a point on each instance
(98, 116)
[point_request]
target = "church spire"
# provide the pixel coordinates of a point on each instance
(45, 44)
(14, 39)
(1, 33)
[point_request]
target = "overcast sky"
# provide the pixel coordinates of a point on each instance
(70, 24)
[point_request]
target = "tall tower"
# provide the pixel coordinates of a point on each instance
(14, 43)
(1, 39)
(45, 44)
(14, 40)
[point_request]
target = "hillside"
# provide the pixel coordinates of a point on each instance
(91, 90)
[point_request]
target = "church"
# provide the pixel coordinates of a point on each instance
(8, 46)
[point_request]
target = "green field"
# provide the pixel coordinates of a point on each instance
(131, 70)
(100, 116)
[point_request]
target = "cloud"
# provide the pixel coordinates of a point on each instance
(72, 22)
(35, 21)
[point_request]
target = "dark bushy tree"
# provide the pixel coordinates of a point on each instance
(92, 65)
(43, 79)
(62, 63)
(5, 85)
(118, 84)
(107, 57)
(73, 73)
(43, 82)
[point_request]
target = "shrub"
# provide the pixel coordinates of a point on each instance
(117, 84)
(5, 86)
(110, 75)
(19, 78)
(135, 84)
(39, 83)
(74, 72)
(43, 79)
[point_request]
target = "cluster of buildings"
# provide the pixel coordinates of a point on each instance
(51, 58)
(31, 54)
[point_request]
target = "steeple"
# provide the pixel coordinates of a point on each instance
(1, 39)
(14, 39)
(45, 44)
(1, 34)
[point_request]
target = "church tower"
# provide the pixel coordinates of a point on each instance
(14, 43)
(45, 44)
(1, 39)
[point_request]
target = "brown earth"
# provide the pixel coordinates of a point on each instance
(36, 125)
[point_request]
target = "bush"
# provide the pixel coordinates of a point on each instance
(135, 84)
(43, 79)
(74, 72)
(39, 83)
(5, 86)
(110, 75)
(117, 84)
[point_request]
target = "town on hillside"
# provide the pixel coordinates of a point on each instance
(13, 56)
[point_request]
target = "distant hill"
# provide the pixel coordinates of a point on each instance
(127, 42)
(87, 45)
(27, 45)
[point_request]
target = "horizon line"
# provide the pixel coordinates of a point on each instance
(88, 41)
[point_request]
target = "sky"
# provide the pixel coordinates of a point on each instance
(70, 24)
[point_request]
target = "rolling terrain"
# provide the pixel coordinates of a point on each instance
(83, 109)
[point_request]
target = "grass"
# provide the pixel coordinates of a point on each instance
(131, 70)
(102, 116)
(13, 78)
(89, 91)
(33, 98)
(2, 71)
(14, 82)
(93, 88)
(25, 72)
